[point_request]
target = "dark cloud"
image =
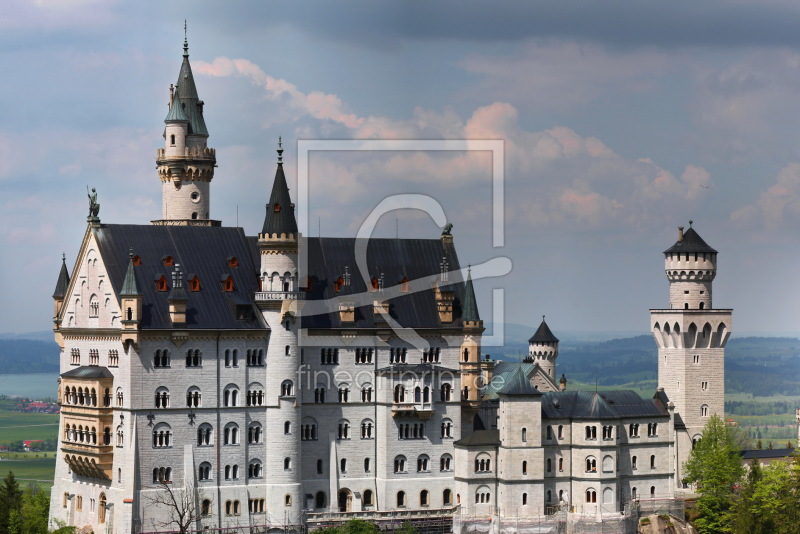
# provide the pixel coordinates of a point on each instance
(623, 23)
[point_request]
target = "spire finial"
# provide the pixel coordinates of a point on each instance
(185, 40)
(469, 269)
(130, 253)
(280, 151)
(690, 223)
(542, 317)
(63, 257)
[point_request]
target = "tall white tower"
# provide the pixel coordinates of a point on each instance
(279, 301)
(186, 163)
(691, 336)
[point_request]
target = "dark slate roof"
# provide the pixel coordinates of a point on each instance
(62, 285)
(691, 242)
(599, 405)
(202, 250)
(481, 438)
(470, 312)
(129, 286)
(543, 335)
(283, 220)
(88, 371)
(396, 259)
(518, 384)
(186, 92)
(766, 453)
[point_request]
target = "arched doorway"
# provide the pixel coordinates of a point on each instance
(345, 500)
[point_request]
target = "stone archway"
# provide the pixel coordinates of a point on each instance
(345, 500)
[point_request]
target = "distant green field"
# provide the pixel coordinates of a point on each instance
(18, 426)
(37, 471)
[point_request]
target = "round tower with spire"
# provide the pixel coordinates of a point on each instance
(279, 301)
(543, 349)
(186, 163)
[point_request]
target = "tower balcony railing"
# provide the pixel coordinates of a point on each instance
(196, 152)
(265, 296)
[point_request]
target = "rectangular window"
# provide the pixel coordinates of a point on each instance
(704, 385)
(696, 358)
(633, 430)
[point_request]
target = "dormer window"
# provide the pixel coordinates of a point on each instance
(227, 283)
(233, 261)
(404, 285)
(337, 284)
(161, 283)
(276, 208)
(194, 283)
(375, 284)
(167, 261)
(137, 260)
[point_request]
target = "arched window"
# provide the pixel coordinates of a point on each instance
(231, 434)
(401, 499)
(524, 434)
(161, 358)
(525, 467)
(204, 471)
(205, 508)
(447, 392)
(319, 394)
(447, 497)
(483, 463)
(652, 492)
(287, 500)
(399, 393)
(287, 388)
(591, 496)
(525, 498)
(560, 431)
(254, 433)
(308, 429)
(366, 465)
(422, 463)
(193, 397)
(344, 393)
(653, 461)
(633, 463)
(343, 465)
(287, 464)
(446, 463)
(704, 410)
(549, 463)
(101, 511)
(230, 397)
(172, 139)
(561, 464)
(368, 498)
(447, 428)
(320, 501)
(205, 435)
(400, 464)
(591, 464)
(366, 393)
(344, 429)
(366, 429)
(162, 436)
(255, 394)
(162, 397)
(254, 469)
(193, 358)
(423, 498)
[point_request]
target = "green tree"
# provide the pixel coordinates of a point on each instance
(714, 465)
(34, 511)
(10, 501)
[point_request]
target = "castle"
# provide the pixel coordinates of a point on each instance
(197, 365)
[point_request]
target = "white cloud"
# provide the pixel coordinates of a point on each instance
(778, 208)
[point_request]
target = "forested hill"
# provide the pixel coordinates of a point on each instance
(28, 356)
(762, 366)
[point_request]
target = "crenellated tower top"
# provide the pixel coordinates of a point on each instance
(690, 265)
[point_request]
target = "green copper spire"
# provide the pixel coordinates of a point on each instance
(129, 286)
(470, 306)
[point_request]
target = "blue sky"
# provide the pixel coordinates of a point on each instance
(621, 121)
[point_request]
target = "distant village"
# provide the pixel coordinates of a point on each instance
(30, 406)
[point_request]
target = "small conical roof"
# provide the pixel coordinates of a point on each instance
(691, 242)
(176, 113)
(470, 307)
(280, 217)
(543, 335)
(62, 285)
(518, 384)
(129, 286)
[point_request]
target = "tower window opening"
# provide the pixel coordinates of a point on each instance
(172, 140)
(194, 215)
(702, 305)
(276, 208)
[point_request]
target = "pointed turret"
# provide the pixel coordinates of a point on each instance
(129, 286)
(280, 218)
(543, 334)
(470, 308)
(60, 293)
(63, 280)
(131, 298)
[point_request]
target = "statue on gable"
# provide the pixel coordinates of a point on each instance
(447, 229)
(94, 206)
